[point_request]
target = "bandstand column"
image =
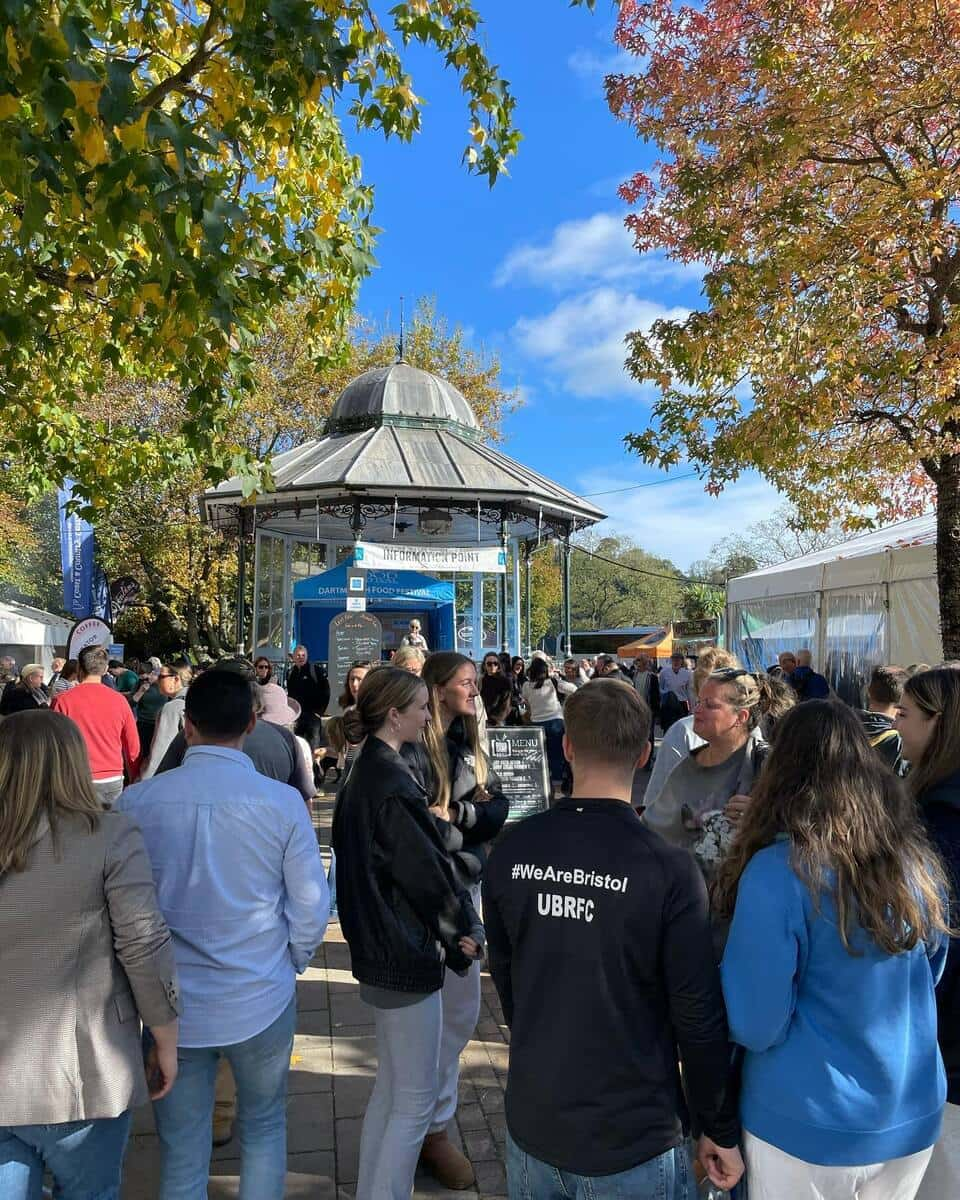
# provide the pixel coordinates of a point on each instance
(565, 554)
(504, 644)
(526, 567)
(517, 629)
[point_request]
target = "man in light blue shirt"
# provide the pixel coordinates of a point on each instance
(241, 884)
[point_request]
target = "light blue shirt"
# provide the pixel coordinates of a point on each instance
(240, 882)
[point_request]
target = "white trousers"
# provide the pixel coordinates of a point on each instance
(461, 1011)
(402, 1102)
(942, 1180)
(773, 1175)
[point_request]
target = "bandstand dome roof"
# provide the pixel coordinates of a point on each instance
(400, 440)
(401, 390)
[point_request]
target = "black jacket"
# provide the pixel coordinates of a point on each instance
(940, 812)
(883, 738)
(402, 910)
(17, 698)
(309, 686)
(599, 943)
(473, 824)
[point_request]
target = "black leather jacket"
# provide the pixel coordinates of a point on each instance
(402, 910)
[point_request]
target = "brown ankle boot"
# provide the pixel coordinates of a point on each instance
(445, 1162)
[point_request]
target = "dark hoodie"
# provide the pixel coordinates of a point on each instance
(883, 738)
(940, 811)
(808, 684)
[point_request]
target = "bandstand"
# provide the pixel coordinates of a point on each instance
(402, 475)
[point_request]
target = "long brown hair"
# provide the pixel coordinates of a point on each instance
(346, 699)
(380, 690)
(44, 772)
(438, 670)
(937, 694)
(844, 812)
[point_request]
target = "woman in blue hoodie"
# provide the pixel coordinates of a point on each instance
(838, 937)
(929, 725)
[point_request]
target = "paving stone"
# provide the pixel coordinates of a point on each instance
(346, 1008)
(492, 1100)
(470, 1116)
(350, 1095)
(310, 1123)
(314, 1022)
(348, 1149)
(491, 1178)
(353, 1053)
(479, 1145)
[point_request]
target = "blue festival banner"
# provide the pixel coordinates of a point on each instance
(85, 590)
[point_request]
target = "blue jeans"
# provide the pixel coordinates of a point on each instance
(185, 1117)
(553, 733)
(669, 1176)
(84, 1158)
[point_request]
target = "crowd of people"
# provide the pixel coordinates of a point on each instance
(748, 977)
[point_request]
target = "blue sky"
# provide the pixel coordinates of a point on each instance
(541, 271)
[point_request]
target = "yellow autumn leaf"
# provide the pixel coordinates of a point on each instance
(134, 135)
(87, 94)
(92, 144)
(152, 293)
(13, 54)
(8, 105)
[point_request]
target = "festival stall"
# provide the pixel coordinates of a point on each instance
(869, 600)
(394, 597)
(32, 635)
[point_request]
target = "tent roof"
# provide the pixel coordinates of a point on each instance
(906, 550)
(21, 624)
(391, 589)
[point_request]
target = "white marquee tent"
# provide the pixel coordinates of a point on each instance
(32, 635)
(870, 600)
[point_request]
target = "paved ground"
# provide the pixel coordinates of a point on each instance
(331, 1074)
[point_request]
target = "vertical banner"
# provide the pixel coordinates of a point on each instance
(85, 591)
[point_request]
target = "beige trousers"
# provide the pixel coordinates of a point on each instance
(942, 1180)
(774, 1175)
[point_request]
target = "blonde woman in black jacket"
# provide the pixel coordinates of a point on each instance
(406, 920)
(470, 810)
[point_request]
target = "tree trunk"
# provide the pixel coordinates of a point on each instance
(947, 479)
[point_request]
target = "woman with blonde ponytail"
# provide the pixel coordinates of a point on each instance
(469, 809)
(407, 921)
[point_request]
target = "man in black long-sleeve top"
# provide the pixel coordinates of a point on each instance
(599, 942)
(307, 683)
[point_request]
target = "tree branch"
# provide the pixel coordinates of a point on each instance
(194, 64)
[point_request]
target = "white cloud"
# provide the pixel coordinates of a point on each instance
(679, 521)
(593, 66)
(581, 340)
(597, 249)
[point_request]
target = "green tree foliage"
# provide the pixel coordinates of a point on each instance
(605, 595)
(170, 175)
(808, 158)
(187, 570)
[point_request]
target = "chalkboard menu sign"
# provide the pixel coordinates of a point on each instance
(354, 637)
(518, 754)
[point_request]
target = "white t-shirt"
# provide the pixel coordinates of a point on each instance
(543, 702)
(677, 682)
